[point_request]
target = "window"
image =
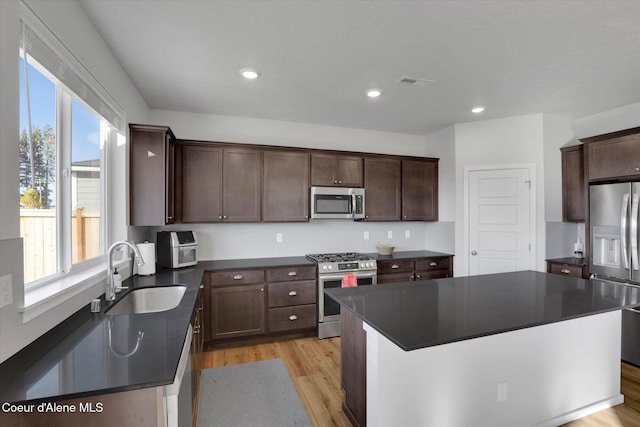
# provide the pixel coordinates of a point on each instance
(67, 120)
(61, 177)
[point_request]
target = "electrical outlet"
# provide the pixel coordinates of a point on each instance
(6, 291)
(366, 235)
(407, 234)
(278, 237)
(502, 392)
(389, 234)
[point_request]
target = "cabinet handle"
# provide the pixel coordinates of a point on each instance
(433, 263)
(261, 289)
(335, 181)
(339, 182)
(404, 216)
(224, 217)
(637, 169)
(395, 266)
(237, 277)
(292, 273)
(219, 216)
(412, 277)
(418, 276)
(293, 317)
(196, 330)
(293, 293)
(201, 286)
(565, 271)
(170, 218)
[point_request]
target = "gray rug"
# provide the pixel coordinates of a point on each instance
(250, 395)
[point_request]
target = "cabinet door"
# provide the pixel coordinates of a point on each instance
(241, 184)
(151, 178)
(382, 189)
(330, 170)
(349, 171)
(573, 188)
(237, 311)
(323, 168)
(201, 183)
(419, 190)
(615, 158)
(285, 191)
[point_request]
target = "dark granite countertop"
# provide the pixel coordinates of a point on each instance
(94, 353)
(569, 260)
(408, 255)
(433, 312)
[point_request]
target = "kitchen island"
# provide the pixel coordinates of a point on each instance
(523, 348)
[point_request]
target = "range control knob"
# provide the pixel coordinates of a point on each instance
(331, 267)
(324, 267)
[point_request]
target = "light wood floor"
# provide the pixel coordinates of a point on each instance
(314, 368)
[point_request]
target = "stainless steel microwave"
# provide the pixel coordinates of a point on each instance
(337, 202)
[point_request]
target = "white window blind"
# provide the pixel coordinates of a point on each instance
(42, 45)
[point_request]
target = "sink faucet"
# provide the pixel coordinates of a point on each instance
(110, 289)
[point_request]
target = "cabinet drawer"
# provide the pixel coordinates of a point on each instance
(395, 278)
(292, 318)
(236, 277)
(434, 274)
(429, 264)
(292, 293)
(283, 274)
(565, 269)
(395, 266)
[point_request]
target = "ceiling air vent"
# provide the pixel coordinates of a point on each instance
(414, 81)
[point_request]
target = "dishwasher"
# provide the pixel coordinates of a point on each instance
(631, 336)
(177, 397)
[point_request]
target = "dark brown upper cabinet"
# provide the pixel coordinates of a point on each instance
(613, 155)
(285, 186)
(220, 183)
(573, 185)
(419, 190)
(151, 175)
(201, 184)
(328, 170)
(383, 189)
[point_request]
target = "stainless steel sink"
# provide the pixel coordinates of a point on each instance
(149, 300)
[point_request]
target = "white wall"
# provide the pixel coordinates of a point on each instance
(625, 117)
(514, 140)
(232, 241)
(67, 20)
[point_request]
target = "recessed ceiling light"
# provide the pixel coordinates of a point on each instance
(478, 109)
(374, 93)
(249, 73)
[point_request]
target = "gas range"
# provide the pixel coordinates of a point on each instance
(331, 270)
(343, 262)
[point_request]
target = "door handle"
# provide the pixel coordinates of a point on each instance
(634, 231)
(474, 253)
(623, 229)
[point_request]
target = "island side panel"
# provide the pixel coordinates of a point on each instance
(353, 368)
(547, 375)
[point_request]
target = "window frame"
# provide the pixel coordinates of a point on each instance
(71, 279)
(63, 128)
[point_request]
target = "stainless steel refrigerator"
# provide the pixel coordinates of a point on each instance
(614, 211)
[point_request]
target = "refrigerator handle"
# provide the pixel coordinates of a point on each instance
(623, 229)
(634, 231)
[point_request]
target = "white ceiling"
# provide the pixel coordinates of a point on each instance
(317, 58)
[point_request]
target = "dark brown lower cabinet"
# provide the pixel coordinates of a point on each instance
(353, 369)
(410, 269)
(238, 311)
(197, 344)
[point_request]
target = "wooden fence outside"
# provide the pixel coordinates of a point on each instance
(38, 230)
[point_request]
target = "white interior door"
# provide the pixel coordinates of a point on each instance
(499, 221)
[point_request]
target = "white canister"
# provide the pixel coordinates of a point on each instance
(148, 253)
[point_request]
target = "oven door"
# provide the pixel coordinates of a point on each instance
(328, 309)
